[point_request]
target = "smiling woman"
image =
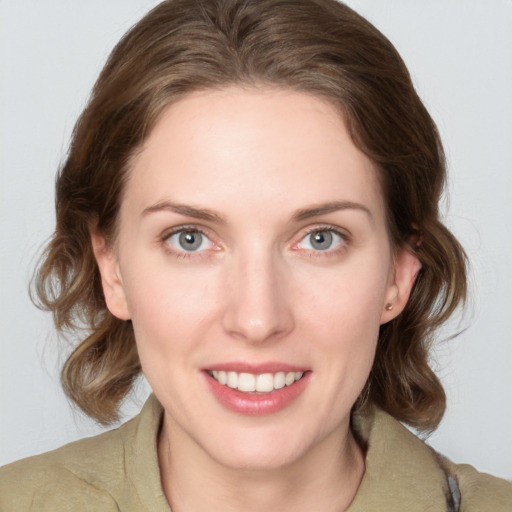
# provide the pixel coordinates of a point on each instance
(248, 215)
(284, 281)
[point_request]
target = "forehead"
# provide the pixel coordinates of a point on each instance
(227, 147)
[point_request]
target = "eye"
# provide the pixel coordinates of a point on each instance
(189, 240)
(321, 240)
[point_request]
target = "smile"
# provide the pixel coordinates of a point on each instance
(249, 390)
(259, 383)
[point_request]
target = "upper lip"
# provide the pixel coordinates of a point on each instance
(256, 368)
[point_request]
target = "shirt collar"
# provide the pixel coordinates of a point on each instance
(402, 472)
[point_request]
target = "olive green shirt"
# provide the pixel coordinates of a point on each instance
(118, 471)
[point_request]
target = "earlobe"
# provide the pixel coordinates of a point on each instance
(405, 269)
(111, 282)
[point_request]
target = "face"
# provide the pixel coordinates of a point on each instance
(254, 262)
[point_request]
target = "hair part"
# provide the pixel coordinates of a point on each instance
(320, 47)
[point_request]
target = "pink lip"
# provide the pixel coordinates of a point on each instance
(256, 404)
(270, 367)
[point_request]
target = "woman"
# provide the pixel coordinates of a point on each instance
(249, 215)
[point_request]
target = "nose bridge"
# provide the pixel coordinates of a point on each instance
(258, 307)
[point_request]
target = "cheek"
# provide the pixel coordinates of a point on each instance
(169, 308)
(348, 298)
(342, 315)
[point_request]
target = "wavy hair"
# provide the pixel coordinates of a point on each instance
(317, 46)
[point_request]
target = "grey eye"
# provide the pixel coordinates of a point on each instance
(321, 240)
(189, 241)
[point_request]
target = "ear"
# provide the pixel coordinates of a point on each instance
(406, 266)
(111, 281)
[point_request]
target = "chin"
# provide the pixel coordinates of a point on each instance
(258, 451)
(257, 459)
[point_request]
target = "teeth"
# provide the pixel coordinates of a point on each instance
(265, 383)
(246, 382)
(232, 380)
(261, 383)
(279, 380)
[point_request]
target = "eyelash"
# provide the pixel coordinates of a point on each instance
(345, 237)
(164, 240)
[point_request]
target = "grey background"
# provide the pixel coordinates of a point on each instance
(460, 55)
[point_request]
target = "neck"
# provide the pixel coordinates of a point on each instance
(325, 479)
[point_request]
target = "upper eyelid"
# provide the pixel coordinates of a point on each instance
(298, 236)
(166, 233)
(163, 239)
(344, 233)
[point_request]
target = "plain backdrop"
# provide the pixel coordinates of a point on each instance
(459, 53)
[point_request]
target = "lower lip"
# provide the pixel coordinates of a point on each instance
(257, 404)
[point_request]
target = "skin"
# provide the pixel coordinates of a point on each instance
(256, 290)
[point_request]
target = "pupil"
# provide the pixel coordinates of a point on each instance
(322, 240)
(190, 241)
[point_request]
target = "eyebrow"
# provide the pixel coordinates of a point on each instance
(187, 210)
(211, 216)
(333, 206)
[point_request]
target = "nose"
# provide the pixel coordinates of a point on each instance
(258, 306)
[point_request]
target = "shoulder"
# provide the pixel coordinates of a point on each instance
(115, 470)
(405, 473)
(71, 477)
(481, 492)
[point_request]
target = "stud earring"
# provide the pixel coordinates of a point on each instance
(389, 307)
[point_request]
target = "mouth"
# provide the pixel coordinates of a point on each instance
(255, 391)
(261, 383)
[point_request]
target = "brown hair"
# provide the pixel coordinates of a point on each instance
(317, 46)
